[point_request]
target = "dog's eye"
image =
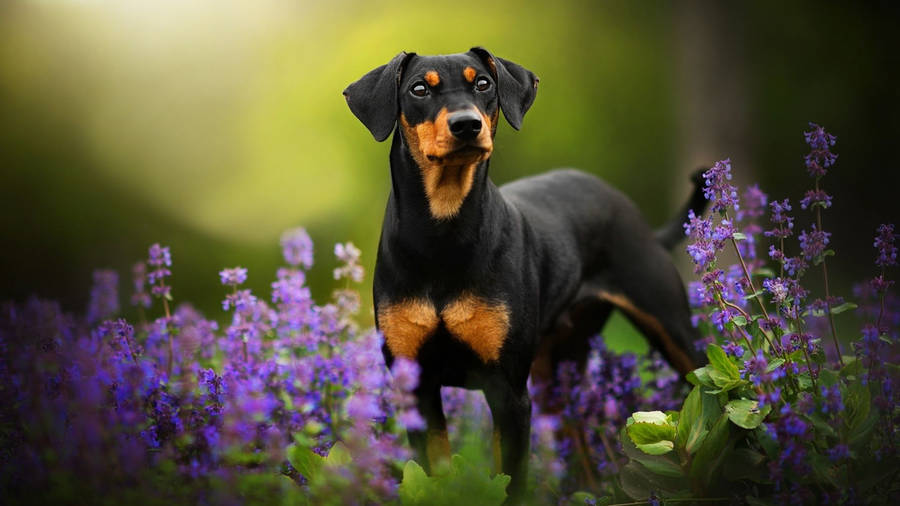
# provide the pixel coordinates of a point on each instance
(419, 89)
(482, 84)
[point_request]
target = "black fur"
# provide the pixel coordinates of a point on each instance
(544, 246)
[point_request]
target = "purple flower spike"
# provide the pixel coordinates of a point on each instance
(297, 248)
(820, 157)
(104, 299)
(884, 243)
(719, 191)
(813, 243)
(233, 277)
(160, 256)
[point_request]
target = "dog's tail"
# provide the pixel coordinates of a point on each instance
(670, 234)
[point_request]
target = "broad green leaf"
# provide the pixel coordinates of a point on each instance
(663, 467)
(647, 433)
(653, 417)
(338, 456)
(754, 295)
(745, 463)
(720, 362)
(416, 486)
(739, 320)
(775, 364)
(304, 460)
(658, 448)
(712, 453)
(739, 236)
(689, 416)
(700, 376)
(745, 413)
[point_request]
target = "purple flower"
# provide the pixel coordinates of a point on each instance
(884, 243)
(297, 248)
(160, 256)
(816, 197)
(813, 243)
(831, 400)
(820, 156)
(755, 201)
(718, 190)
(755, 368)
(406, 374)
(233, 277)
(734, 349)
(838, 453)
(139, 277)
(770, 398)
(349, 255)
(784, 224)
(778, 288)
(104, 300)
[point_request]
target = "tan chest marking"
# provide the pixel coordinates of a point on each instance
(483, 325)
(446, 175)
(406, 325)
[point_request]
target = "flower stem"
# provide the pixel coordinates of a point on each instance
(837, 346)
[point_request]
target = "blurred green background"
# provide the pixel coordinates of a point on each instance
(213, 126)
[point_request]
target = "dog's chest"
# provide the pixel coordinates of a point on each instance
(481, 324)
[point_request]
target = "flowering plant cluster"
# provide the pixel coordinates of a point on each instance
(786, 411)
(176, 409)
(284, 400)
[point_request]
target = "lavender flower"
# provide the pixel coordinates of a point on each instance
(820, 156)
(297, 248)
(161, 260)
(140, 297)
(718, 190)
(349, 255)
(104, 300)
(884, 243)
(813, 243)
(233, 277)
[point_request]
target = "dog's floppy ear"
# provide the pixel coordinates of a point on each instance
(516, 86)
(373, 98)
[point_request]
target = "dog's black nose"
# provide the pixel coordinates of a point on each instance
(464, 125)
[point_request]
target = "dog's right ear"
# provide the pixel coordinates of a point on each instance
(373, 98)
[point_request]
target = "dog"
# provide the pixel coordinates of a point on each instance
(484, 285)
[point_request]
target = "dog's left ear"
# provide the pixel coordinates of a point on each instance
(516, 86)
(373, 98)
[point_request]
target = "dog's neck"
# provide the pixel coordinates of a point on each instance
(411, 213)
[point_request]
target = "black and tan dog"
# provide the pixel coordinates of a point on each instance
(483, 285)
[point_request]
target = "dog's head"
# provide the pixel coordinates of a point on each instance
(447, 108)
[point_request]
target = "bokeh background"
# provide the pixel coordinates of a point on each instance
(212, 126)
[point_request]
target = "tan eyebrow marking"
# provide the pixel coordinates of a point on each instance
(432, 78)
(469, 74)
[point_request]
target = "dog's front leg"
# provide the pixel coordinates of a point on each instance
(511, 412)
(431, 445)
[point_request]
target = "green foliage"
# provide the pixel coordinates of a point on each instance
(459, 483)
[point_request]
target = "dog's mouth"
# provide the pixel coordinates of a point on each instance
(465, 153)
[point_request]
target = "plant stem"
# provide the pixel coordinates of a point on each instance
(837, 346)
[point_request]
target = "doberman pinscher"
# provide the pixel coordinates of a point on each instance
(482, 285)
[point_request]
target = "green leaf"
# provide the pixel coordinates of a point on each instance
(338, 456)
(720, 362)
(843, 307)
(700, 376)
(857, 404)
(739, 236)
(581, 498)
(764, 272)
(304, 460)
(739, 320)
(416, 487)
(651, 417)
(652, 438)
(746, 464)
(745, 413)
(712, 453)
(663, 467)
(688, 417)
